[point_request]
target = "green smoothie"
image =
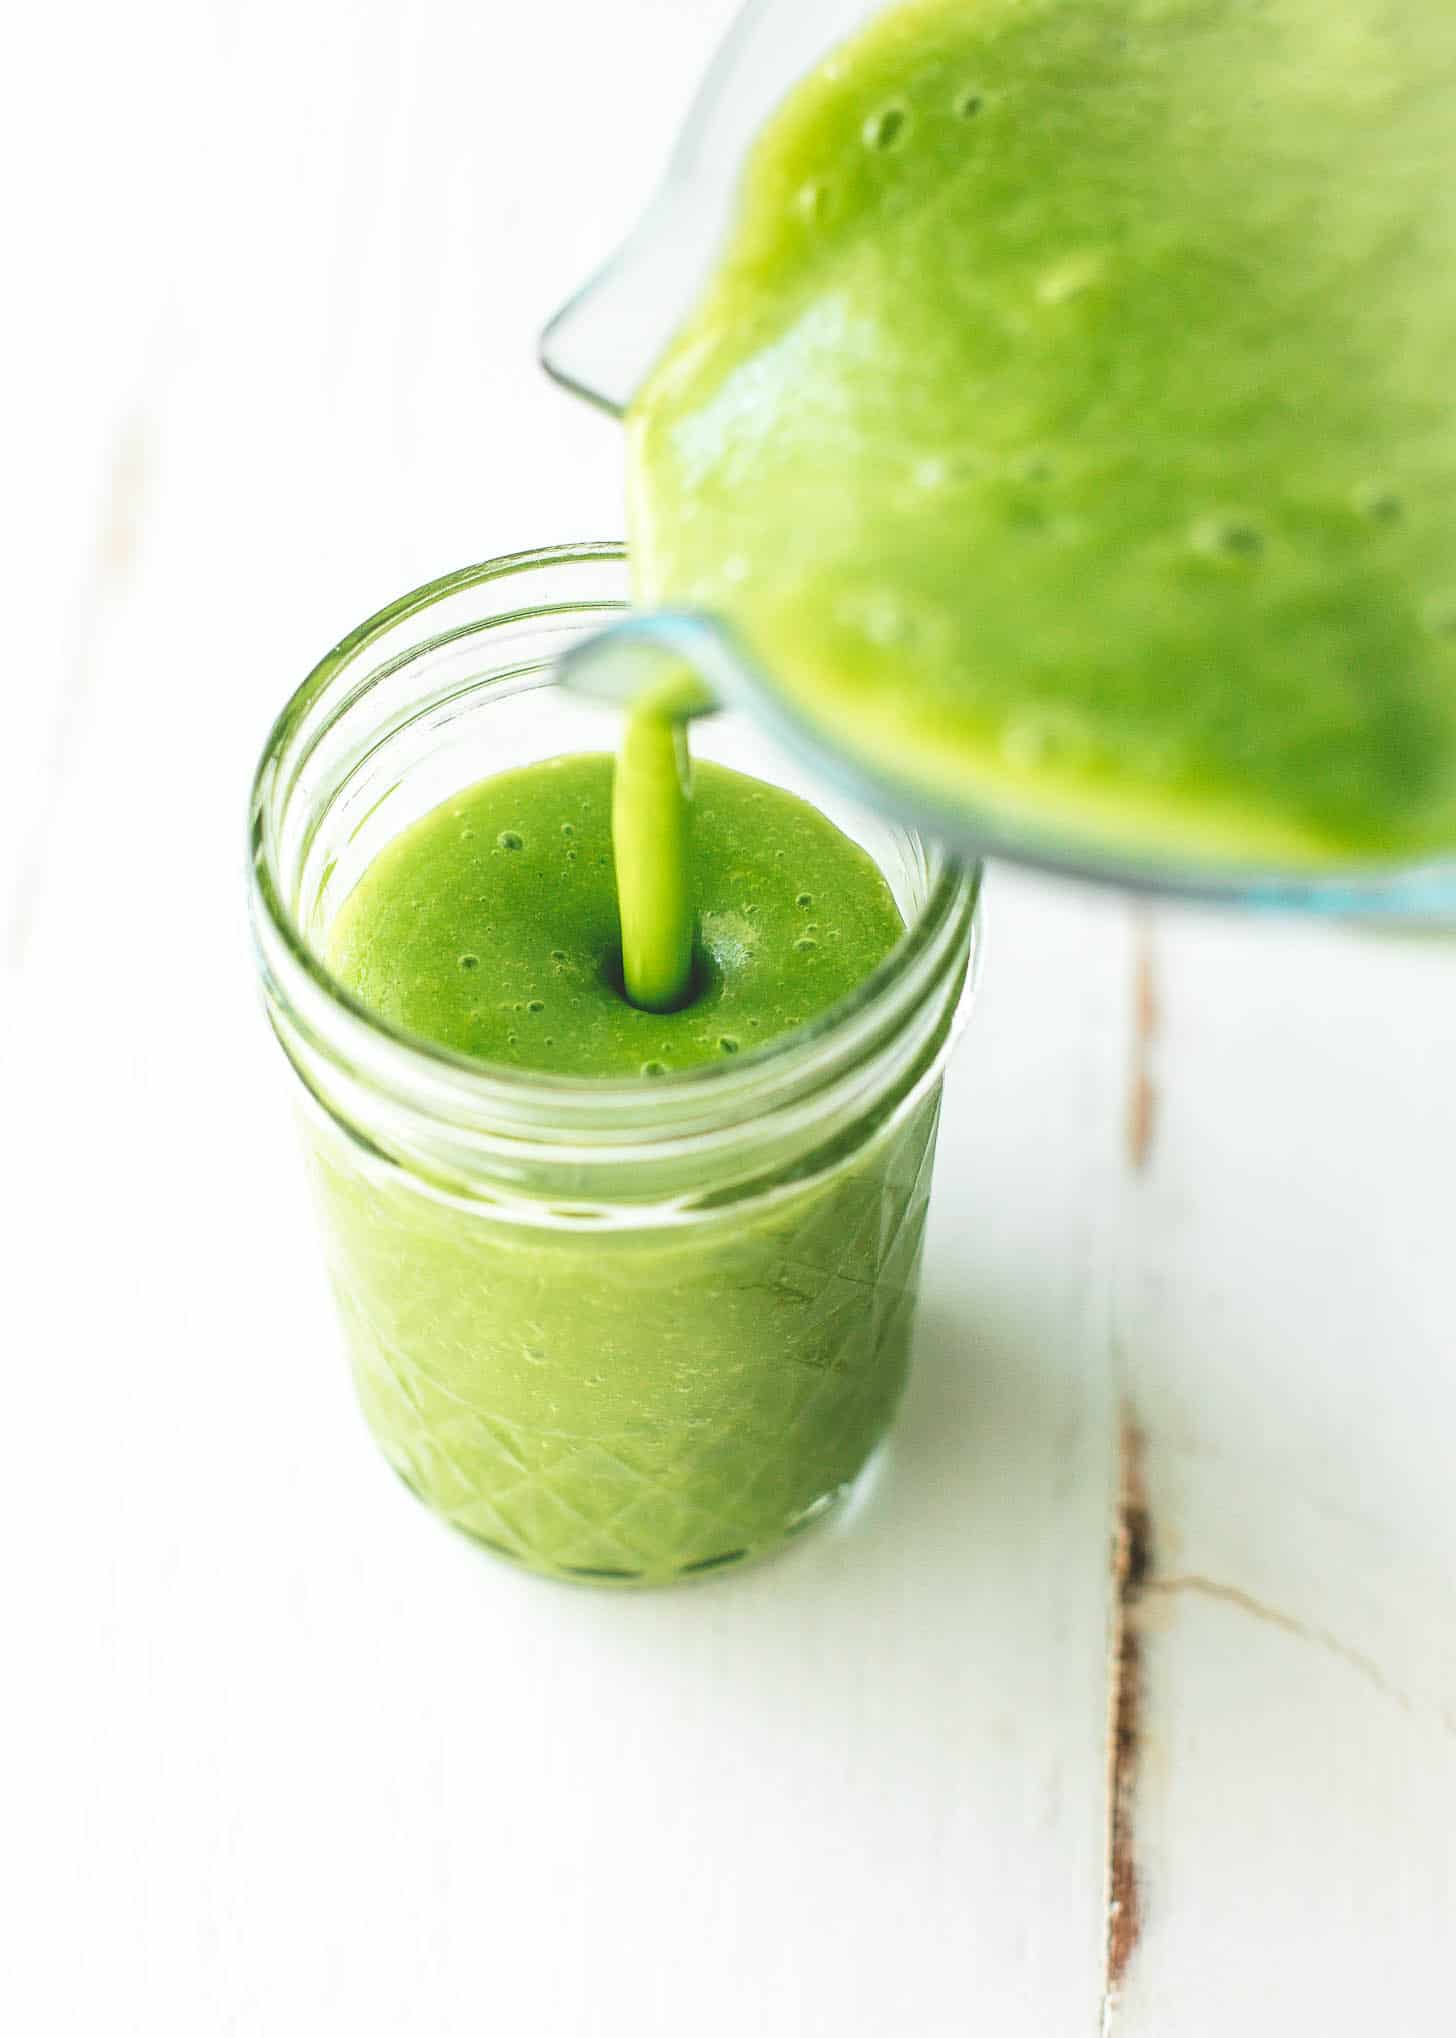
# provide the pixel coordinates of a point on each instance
(642, 1399)
(491, 926)
(1069, 426)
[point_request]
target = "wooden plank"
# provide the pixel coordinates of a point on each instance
(348, 1772)
(1286, 1317)
(90, 247)
(290, 1756)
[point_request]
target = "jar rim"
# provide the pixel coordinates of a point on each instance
(305, 980)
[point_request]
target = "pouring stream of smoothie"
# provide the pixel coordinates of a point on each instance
(651, 818)
(491, 926)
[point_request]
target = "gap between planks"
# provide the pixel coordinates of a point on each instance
(1135, 1579)
(1132, 1550)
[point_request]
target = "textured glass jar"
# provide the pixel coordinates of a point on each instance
(615, 1330)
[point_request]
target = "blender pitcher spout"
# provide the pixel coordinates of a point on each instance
(603, 344)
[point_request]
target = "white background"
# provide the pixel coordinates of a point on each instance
(281, 1755)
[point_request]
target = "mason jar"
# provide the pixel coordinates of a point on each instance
(617, 1330)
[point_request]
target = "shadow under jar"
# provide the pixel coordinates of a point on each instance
(626, 1331)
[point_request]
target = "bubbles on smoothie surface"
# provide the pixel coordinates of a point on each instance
(512, 956)
(1236, 540)
(1072, 277)
(1378, 503)
(888, 127)
(813, 201)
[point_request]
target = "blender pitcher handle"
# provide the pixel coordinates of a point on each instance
(605, 341)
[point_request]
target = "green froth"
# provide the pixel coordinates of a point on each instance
(491, 926)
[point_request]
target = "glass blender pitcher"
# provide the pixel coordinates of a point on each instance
(603, 345)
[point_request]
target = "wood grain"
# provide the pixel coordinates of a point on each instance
(283, 1756)
(1285, 1319)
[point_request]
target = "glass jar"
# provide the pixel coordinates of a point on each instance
(616, 1330)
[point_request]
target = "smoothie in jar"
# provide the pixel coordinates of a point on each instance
(628, 1294)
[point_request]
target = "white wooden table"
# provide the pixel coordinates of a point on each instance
(1175, 1476)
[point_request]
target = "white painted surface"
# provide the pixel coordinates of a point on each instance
(1287, 1329)
(282, 1756)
